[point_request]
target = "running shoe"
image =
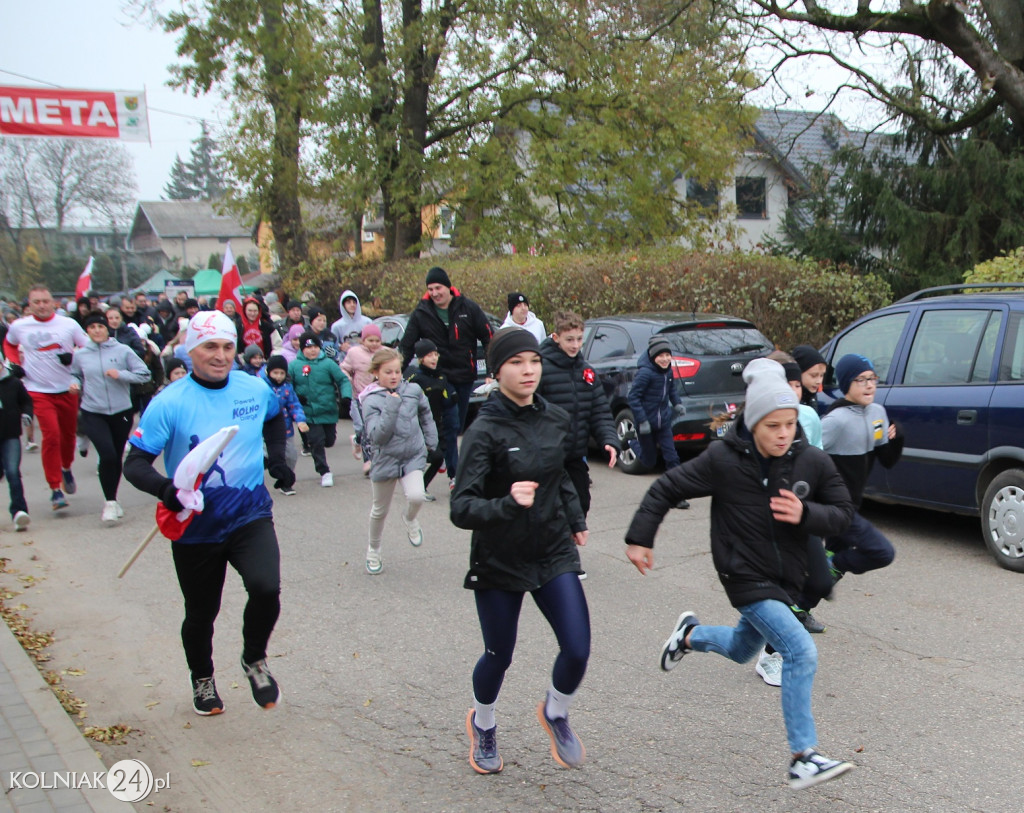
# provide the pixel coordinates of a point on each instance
(811, 768)
(428, 497)
(769, 667)
(288, 491)
(327, 480)
(566, 747)
(70, 486)
(483, 747)
(31, 446)
(265, 691)
(21, 520)
(811, 624)
(674, 649)
(205, 699)
(109, 513)
(374, 564)
(416, 537)
(58, 500)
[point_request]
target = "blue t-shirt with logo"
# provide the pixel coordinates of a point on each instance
(185, 414)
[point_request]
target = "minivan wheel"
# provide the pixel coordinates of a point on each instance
(1002, 519)
(625, 429)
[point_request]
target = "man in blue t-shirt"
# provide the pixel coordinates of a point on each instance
(236, 525)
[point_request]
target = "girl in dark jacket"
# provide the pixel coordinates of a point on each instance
(769, 491)
(513, 493)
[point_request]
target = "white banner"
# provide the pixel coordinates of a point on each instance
(62, 113)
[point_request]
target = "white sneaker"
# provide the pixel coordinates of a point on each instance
(120, 510)
(812, 769)
(21, 520)
(374, 565)
(769, 667)
(31, 446)
(327, 480)
(109, 511)
(416, 537)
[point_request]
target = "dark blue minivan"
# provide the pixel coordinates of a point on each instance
(951, 370)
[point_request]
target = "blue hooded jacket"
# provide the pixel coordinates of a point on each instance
(652, 393)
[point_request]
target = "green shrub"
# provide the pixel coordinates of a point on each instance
(792, 302)
(1005, 268)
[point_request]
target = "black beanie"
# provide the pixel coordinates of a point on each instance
(508, 342)
(438, 275)
(277, 362)
(423, 347)
(515, 298)
(314, 312)
(792, 370)
(806, 356)
(310, 339)
(173, 363)
(95, 318)
(657, 345)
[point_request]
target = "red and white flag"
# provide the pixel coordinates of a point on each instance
(84, 281)
(230, 282)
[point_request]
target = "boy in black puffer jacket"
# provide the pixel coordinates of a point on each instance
(441, 399)
(15, 411)
(568, 381)
(769, 490)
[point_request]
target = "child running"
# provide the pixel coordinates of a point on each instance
(276, 375)
(400, 430)
(513, 493)
(759, 530)
(317, 383)
(15, 412)
(356, 365)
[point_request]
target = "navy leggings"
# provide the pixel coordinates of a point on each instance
(564, 605)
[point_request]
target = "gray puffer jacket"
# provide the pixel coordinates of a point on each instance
(100, 393)
(400, 429)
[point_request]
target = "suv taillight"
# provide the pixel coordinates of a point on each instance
(683, 367)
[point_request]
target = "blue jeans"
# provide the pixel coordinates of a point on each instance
(860, 548)
(646, 447)
(450, 425)
(464, 391)
(10, 459)
(774, 622)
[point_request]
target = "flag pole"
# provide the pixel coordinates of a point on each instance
(138, 551)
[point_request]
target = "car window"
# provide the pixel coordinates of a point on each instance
(391, 331)
(945, 347)
(1011, 365)
(609, 342)
(718, 340)
(876, 339)
(983, 366)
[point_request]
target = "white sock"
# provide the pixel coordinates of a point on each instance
(558, 704)
(484, 719)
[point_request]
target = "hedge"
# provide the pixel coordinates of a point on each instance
(792, 302)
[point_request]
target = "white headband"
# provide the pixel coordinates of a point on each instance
(209, 326)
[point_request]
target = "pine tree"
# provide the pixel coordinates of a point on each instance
(181, 185)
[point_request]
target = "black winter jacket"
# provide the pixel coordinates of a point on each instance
(515, 548)
(573, 385)
(455, 342)
(14, 402)
(756, 557)
(435, 386)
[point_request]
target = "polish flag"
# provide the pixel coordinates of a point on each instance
(84, 281)
(230, 282)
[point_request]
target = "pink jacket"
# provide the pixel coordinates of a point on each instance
(356, 365)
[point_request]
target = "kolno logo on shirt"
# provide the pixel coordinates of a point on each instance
(245, 410)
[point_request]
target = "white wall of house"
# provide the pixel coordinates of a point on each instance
(193, 252)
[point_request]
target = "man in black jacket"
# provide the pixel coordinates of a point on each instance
(455, 323)
(571, 383)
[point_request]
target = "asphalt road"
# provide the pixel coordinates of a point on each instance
(918, 684)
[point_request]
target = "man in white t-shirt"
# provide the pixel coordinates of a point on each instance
(43, 343)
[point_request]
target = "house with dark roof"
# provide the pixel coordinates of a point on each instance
(184, 233)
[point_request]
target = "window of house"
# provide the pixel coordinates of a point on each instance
(446, 223)
(706, 197)
(751, 198)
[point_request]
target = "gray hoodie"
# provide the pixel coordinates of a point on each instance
(100, 393)
(348, 327)
(399, 430)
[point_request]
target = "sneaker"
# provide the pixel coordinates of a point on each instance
(682, 505)
(674, 649)
(374, 565)
(566, 747)
(327, 480)
(837, 574)
(31, 446)
(70, 486)
(58, 500)
(289, 491)
(443, 469)
(812, 769)
(265, 691)
(769, 667)
(428, 497)
(451, 484)
(582, 575)
(483, 747)
(416, 537)
(120, 510)
(83, 447)
(306, 453)
(357, 450)
(205, 699)
(109, 511)
(21, 520)
(811, 624)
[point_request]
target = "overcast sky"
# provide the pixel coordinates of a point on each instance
(95, 45)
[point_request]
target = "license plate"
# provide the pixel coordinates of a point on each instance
(724, 429)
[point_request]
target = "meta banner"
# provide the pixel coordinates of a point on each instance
(60, 113)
